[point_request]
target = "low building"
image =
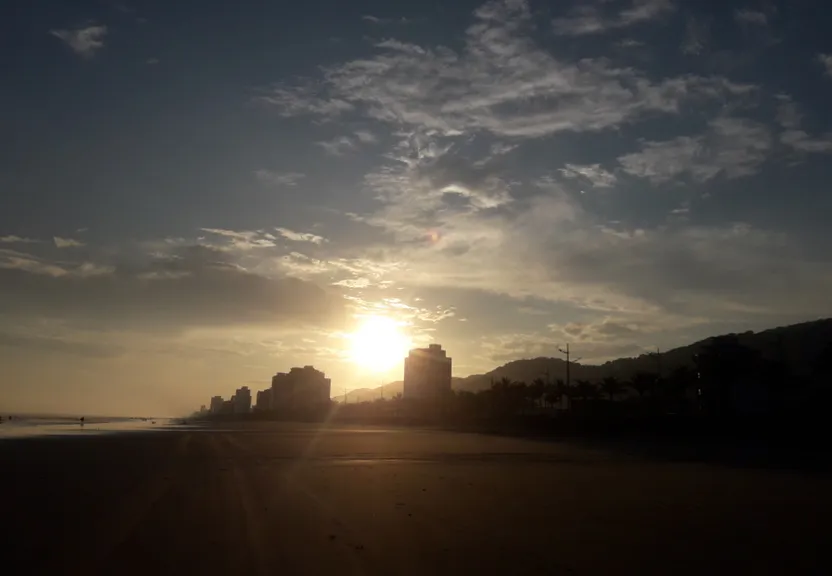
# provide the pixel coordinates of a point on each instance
(301, 389)
(427, 373)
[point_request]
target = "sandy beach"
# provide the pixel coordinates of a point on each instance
(295, 499)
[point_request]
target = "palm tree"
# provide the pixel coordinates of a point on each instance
(538, 386)
(585, 390)
(611, 386)
(643, 382)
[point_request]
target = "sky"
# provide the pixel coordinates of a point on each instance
(194, 196)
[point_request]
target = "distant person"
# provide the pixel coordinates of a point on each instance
(82, 420)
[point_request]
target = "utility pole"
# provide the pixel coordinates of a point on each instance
(562, 351)
(568, 362)
(658, 363)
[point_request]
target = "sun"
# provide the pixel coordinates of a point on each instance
(378, 344)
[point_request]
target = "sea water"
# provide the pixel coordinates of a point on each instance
(26, 425)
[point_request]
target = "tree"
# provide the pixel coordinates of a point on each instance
(611, 386)
(677, 386)
(585, 390)
(536, 389)
(723, 365)
(642, 383)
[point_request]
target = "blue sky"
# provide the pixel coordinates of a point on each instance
(195, 197)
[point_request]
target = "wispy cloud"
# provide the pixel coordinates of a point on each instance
(244, 240)
(295, 100)
(279, 178)
(338, 146)
(194, 286)
(501, 82)
(12, 239)
(697, 33)
(83, 41)
(749, 16)
(594, 173)
(377, 20)
(300, 236)
(793, 135)
(67, 242)
(597, 18)
(826, 61)
(366, 137)
(734, 147)
(400, 46)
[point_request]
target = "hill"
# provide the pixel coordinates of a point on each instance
(798, 345)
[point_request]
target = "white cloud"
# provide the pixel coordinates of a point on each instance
(300, 236)
(453, 213)
(597, 176)
(826, 61)
(499, 82)
(279, 178)
(734, 147)
(83, 41)
(67, 242)
(596, 19)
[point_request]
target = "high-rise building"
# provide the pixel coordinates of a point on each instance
(242, 400)
(300, 389)
(216, 404)
(427, 373)
(264, 400)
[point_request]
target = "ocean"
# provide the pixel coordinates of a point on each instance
(28, 425)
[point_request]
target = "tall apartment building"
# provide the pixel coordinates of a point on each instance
(427, 373)
(264, 400)
(300, 389)
(216, 404)
(242, 400)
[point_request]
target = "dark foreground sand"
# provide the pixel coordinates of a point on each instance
(290, 499)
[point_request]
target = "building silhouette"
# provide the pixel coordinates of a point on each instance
(216, 404)
(264, 401)
(242, 400)
(427, 373)
(301, 389)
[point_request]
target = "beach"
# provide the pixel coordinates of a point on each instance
(275, 498)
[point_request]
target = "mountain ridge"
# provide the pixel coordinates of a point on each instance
(797, 345)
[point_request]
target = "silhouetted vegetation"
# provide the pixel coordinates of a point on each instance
(774, 387)
(724, 385)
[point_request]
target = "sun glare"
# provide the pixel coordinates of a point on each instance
(378, 344)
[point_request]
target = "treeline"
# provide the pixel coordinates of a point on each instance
(726, 384)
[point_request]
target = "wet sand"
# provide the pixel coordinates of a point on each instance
(295, 499)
